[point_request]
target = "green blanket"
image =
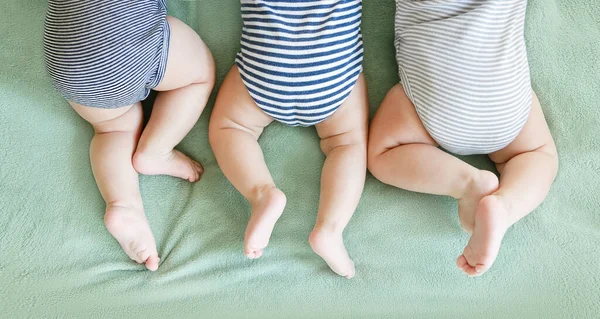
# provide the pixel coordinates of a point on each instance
(58, 260)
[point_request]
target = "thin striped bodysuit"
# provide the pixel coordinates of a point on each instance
(106, 53)
(300, 59)
(464, 66)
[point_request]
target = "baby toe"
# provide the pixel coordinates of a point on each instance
(351, 273)
(143, 254)
(152, 262)
(253, 253)
(461, 262)
(481, 268)
(199, 167)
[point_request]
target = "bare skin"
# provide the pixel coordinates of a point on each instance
(403, 154)
(235, 126)
(120, 150)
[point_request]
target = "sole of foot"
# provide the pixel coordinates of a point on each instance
(483, 184)
(330, 247)
(490, 226)
(266, 210)
(174, 164)
(130, 228)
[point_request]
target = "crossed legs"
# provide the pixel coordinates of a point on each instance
(402, 154)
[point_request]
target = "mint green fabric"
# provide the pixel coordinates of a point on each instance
(58, 260)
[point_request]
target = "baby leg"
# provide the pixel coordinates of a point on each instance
(344, 142)
(528, 167)
(116, 135)
(186, 87)
(236, 124)
(403, 154)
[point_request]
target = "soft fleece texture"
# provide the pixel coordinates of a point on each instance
(58, 260)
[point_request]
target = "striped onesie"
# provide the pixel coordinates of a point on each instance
(106, 53)
(300, 59)
(464, 66)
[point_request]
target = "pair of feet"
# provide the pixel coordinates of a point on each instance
(266, 210)
(128, 225)
(481, 212)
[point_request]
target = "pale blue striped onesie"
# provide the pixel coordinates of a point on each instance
(464, 66)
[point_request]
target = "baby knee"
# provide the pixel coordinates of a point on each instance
(376, 163)
(374, 150)
(373, 164)
(552, 153)
(354, 138)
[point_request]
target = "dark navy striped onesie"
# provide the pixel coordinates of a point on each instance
(106, 53)
(300, 59)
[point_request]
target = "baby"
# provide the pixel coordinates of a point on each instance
(300, 64)
(104, 57)
(465, 87)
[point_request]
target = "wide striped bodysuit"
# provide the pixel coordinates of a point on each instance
(464, 66)
(106, 53)
(300, 59)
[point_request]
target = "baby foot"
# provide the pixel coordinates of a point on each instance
(490, 226)
(330, 247)
(266, 210)
(173, 163)
(483, 184)
(130, 228)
